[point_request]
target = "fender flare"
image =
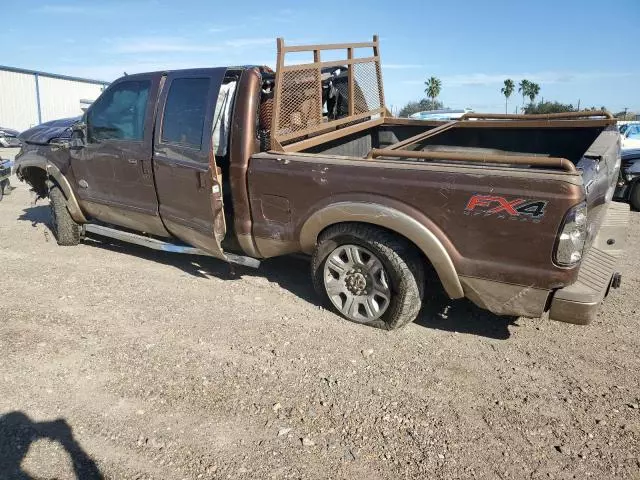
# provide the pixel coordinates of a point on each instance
(36, 161)
(391, 219)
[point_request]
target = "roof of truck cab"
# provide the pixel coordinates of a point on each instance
(186, 70)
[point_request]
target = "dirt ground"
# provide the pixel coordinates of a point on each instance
(120, 362)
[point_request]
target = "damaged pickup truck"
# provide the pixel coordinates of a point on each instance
(514, 213)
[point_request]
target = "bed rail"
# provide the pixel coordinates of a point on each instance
(542, 116)
(554, 162)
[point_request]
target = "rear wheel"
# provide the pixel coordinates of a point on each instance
(368, 275)
(634, 197)
(65, 229)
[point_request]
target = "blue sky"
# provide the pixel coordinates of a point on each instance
(575, 50)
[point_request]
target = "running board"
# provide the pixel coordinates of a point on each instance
(156, 244)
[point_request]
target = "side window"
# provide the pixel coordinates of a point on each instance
(184, 112)
(634, 133)
(120, 113)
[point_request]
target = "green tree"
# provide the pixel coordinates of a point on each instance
(533, 91)
(432, 88)
(548, 107)
(507, 90)
(523, 88)
(415, 107)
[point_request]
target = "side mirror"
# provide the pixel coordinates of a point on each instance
(78, 135)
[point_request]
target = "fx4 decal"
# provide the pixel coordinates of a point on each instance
(516, 209)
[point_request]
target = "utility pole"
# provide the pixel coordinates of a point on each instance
(625, 112)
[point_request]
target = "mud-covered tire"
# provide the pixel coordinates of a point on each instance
(634, 196)
(65, 229)
(402, 262)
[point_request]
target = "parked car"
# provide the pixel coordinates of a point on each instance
(9, 137)
(630, 136)
(5, 173)
(629, 182)
(512, 212)
(444, 114)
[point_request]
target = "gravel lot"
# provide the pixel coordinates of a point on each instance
(137, 364)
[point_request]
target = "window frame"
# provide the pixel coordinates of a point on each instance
(108, 91)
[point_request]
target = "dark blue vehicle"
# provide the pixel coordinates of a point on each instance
(5, 172)
(628, 188)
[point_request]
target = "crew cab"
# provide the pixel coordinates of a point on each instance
(514, 213)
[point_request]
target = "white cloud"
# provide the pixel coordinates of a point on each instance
(158, 45)
(69, 9)
(401, 66)
(180, 45)
(249, 42)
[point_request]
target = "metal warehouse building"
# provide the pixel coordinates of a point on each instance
(28, 97)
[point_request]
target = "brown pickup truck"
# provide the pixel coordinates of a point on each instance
(243, 163)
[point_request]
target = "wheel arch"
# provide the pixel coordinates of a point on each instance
(36, 171)
(391, 218)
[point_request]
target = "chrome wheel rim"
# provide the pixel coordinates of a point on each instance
(357, 283)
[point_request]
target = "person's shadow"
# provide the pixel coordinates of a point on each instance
(18, 432)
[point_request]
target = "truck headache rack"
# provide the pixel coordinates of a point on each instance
(317, 97)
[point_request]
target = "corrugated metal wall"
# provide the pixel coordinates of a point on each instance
(18, 104)
(59, 98)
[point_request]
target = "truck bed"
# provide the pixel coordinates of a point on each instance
(569, 140)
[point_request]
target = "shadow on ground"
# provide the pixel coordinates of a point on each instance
(18, 432)
(37, 215)
(292, 273)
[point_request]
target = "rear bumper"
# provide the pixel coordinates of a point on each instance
(579, 302)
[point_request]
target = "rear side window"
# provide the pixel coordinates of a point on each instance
(184, 112)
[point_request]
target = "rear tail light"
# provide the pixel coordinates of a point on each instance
(572, 236)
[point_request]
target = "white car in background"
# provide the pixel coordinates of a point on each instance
(630, 136)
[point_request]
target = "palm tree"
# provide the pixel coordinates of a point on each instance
(507, 90)
(432, 88)
(523, 88)
(533, 91)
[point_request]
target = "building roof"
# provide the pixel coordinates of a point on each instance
(52, 75)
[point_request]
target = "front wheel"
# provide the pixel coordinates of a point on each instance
(65, 229)
(369, 275)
